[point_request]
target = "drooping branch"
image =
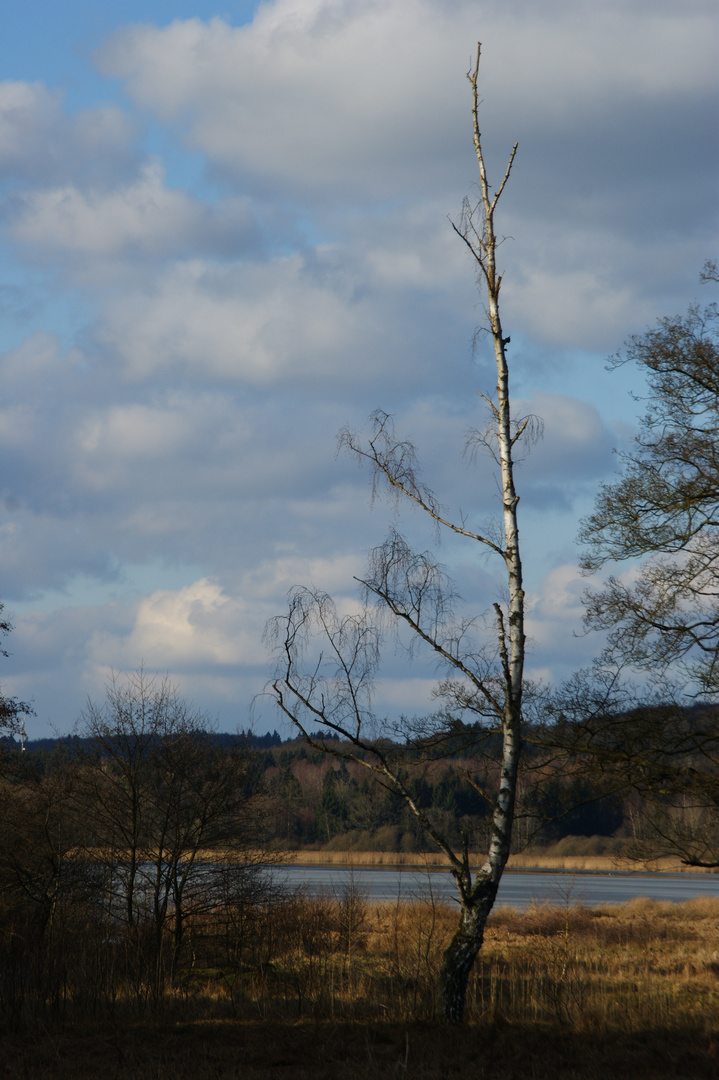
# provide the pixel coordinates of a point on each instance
(333, 685)
(396, 463)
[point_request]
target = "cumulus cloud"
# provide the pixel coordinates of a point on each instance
(41, 143)
(334, 93)
(256, 323)
(187, 628)
(141, 218)
(301, 317)
(318, 94)
(332, 102)
(187, 342)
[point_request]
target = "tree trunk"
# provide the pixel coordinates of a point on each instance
(457, 963)
(460, 954)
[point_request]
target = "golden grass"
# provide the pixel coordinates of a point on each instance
(524, 861)
(559, 992)
(430, 859)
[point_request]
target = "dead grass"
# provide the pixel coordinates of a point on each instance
(525, 861)
(347, 989)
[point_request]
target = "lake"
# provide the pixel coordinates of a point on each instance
(517, 888)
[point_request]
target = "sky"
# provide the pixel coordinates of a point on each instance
(226, 234)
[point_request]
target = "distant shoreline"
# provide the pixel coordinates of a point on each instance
(550, 863)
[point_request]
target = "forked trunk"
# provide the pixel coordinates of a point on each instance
(460, 954)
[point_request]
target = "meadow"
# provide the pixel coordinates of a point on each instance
(336, 986)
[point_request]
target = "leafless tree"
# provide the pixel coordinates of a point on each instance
(326, 660)
(664, 509)
(156, 795)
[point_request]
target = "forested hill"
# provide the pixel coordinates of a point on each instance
(649, 787)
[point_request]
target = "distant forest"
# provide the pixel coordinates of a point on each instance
(312, 798)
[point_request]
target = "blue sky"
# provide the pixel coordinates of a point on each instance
(225, 235)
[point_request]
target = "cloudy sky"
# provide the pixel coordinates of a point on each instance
(225, 235)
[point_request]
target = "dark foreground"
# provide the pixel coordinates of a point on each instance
(327, 1051)
(337, 987)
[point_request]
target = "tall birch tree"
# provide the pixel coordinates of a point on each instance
(326, 661)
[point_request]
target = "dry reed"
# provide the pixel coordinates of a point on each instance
(523, 861)
(558, 990)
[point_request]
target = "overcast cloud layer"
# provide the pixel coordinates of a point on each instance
(237, 241)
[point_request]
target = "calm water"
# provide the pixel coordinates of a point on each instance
(520, 889)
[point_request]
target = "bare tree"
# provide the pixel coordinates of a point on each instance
(156, 794)
(11, 710)
(664, 509)
(326, 661)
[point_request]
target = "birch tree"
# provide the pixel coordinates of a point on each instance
(326, 661)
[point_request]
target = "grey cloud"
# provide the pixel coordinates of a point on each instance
(611, 104)
(41, 144)
(214, 345)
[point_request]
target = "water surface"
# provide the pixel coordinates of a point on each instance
(518, 888)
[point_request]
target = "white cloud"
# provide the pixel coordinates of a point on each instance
(115, 234)
(337, 93)
(559, 597)
(288, 318)
(144, 216)
(247, 321)
(40, 143)
(321, 93)
(187, 628)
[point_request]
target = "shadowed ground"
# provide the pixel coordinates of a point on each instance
(354, 1052)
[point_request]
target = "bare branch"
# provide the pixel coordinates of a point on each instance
(326, 662)
(396, 463)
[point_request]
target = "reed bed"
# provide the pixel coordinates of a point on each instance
(523, 861)
(338, 986)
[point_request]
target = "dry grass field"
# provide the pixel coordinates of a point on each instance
(524, 861)
(348, 992)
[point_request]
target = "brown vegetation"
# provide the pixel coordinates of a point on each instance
(527, 860)
(338, 986)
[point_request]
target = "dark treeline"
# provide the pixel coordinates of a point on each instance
(136, 856)
(582, 791)
(242, 739)
(643, 784)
